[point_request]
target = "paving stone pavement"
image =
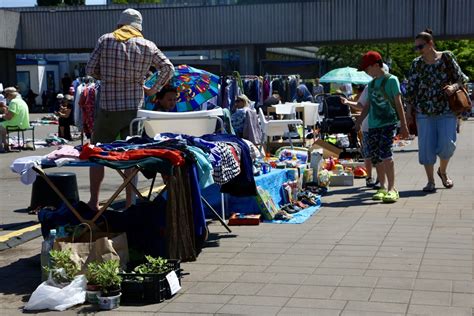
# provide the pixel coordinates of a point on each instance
(354, 257)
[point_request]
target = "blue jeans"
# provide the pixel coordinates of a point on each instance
(436, 137)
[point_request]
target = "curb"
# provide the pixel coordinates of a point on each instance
(19, 237)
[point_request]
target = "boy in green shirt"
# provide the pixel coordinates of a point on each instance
(385, 110)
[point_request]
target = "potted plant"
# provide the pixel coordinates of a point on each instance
(147, 282)
(93, 287)
(153, 265)
(62, 268)
(109, 280)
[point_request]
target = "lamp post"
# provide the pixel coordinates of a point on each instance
(388, 60)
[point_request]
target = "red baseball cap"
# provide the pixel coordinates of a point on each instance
(369, 58)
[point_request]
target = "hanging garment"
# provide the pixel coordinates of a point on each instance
(244, 183)
(87, 104)
(77, 108)
(228, 168)
(251, 128)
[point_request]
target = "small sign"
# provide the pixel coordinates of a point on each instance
(173, 281)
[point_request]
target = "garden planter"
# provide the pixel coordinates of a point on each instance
(109, 302)
(92, 293)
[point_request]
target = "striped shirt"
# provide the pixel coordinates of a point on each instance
(122, 66)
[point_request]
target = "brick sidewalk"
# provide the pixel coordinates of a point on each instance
(355, 257)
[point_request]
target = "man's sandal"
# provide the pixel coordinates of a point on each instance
(447, 183)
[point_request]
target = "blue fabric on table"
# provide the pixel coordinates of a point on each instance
(272, 182)
(199, 216)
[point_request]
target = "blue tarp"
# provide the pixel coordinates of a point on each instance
(301, 216)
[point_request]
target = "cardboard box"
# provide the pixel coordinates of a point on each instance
(329, 150)
(244, 219)
(351, 164)
(342, 180)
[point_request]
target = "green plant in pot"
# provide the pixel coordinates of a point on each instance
(145, 283)
(154, 265)
(62, 268)
(93, 287)
(109, 280)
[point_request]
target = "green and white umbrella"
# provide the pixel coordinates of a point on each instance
(346, 75)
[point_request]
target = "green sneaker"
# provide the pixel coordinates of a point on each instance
(379, 195)
(391, 197)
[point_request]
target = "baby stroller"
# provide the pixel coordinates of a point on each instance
(338, 119)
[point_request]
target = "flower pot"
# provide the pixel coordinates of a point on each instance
(92, 297)
(109, 302)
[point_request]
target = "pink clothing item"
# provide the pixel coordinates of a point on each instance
(87, 103)
(65, 151)
(266, 89)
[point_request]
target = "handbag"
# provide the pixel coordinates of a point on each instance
(459, 101)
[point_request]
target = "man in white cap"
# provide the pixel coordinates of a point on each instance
(121, 60)
(16, 115)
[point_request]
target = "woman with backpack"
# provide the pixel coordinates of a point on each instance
(433, 76)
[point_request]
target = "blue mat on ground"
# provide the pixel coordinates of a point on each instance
(300, 217)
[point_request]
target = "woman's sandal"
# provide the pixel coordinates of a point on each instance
(447, 183)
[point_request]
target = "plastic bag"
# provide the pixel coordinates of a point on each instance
(54, 298)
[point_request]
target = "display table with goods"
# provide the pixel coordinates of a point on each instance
(171, 225)
(280, 195)
(188, 164)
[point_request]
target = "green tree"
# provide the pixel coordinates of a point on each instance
(401, 55)
(464, 52)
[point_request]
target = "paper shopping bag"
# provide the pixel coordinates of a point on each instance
(97, 246)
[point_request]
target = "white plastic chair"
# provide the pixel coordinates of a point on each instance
(310, 113)
(286, 109)
(275, 127)
(311, 116)
(194, 123)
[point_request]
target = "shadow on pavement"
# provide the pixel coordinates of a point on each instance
(413, 193)
(357, 196)
(213, 239)
(21, 277)
(22, 210)
(15, 226)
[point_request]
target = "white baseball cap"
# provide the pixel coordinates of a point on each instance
(131, 17)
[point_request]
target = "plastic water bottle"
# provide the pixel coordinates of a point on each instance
(315, 164)
(61, 232)
(46, 247)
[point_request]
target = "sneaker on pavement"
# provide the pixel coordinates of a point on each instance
(379, 195)
(377, 185)
(369, 182)
(391, 197)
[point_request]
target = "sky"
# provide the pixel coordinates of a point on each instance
(32, 3)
